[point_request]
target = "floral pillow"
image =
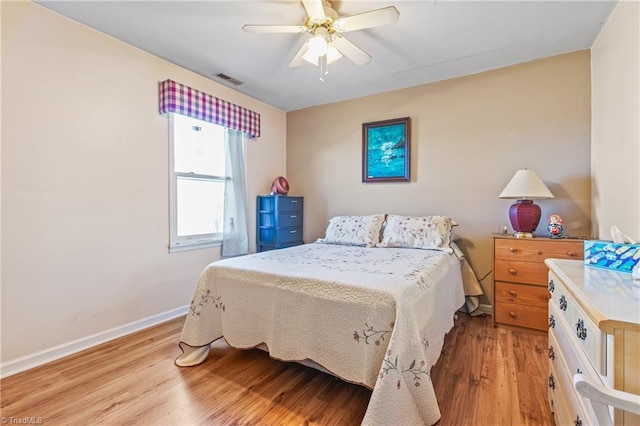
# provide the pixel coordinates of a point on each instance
(354, 230)
(427, 232)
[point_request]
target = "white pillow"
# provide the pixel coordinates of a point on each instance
(354, 230)
(426, 232)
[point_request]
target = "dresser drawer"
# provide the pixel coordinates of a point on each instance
(289, 219)
(522, 294)
(289, 235)
(569, 410)
(557, 401)
(522, 315)
(289, 204)
(580, 328)
(537, 250)
(573, 360)
(521, 272)
(280, 220)
(280, 237)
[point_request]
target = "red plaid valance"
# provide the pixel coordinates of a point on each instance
(181, 99)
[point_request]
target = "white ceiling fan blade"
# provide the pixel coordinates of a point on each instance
(274, 28)
(350, 50)
(373, 18)
(314, 9)
(298, 60)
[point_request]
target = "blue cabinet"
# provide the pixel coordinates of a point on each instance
(279, 222)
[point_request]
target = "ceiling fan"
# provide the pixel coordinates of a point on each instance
(326, 44)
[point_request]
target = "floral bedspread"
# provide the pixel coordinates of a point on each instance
(374, 316)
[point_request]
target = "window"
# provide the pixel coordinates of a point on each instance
(197, 181)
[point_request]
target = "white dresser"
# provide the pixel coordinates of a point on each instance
(594, 328)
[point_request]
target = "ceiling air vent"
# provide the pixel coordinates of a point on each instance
(229, 79)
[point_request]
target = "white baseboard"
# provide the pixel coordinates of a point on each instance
(42, 357)
(486, 309)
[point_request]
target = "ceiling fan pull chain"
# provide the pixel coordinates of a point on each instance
(324, 68)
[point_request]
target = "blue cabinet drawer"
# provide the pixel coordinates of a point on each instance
(279, 236)
(289, 235)
(289, 219)
(267, 247)
(281, 220)
(289, 204)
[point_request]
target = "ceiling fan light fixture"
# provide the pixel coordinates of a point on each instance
(310, 57)
(332, 55)
(317, 46)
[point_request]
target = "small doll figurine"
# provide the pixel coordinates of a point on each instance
(555, 229)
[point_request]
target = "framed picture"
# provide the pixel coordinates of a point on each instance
(385, 150)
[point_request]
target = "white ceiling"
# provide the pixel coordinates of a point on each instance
(433, 40)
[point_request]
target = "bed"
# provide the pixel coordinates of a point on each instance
(373, 313)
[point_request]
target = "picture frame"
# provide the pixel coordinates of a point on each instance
(386, 149)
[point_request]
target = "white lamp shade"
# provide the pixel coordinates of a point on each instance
(526, 184)
(332, 56)
(317, 46)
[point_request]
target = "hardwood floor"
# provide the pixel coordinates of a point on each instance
(485, 376)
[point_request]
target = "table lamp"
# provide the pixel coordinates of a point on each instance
(525, 186)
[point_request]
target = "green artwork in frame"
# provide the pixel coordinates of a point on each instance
(385, 150)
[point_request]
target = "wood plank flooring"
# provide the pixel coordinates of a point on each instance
(485, 376)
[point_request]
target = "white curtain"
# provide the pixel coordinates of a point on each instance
(235, 238)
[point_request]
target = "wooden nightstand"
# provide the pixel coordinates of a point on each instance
(520, 277)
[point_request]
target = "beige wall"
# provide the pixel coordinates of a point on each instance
(469, 136)
(85, 182)
(615, 146)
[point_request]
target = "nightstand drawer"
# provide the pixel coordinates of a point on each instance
(537, 250)
(521, 272)
(522, 315)
(522, 294)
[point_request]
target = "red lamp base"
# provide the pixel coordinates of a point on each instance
(524, 216)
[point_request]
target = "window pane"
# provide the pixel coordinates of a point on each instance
(198, 146)
(200, 206)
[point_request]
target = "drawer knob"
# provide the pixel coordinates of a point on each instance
(581, 330)
(577, 422)
(572, 254)
(293, 231)
(563, 303)
(513, 314)
(552, 354)
(552, 286)
(552, 321)
(513, 250)
(513, 293)
(293, 216)
(513, 271)
(552, 383)
(540, 252)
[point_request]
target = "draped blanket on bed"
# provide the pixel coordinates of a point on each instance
(372, 316)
